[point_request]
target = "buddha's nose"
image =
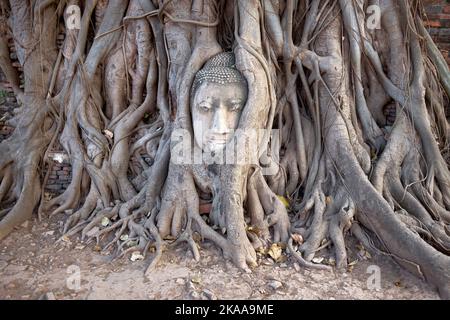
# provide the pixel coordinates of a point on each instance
(220, 121)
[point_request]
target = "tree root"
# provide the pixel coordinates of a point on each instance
(115, 100)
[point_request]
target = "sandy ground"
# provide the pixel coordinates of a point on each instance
(34, 266)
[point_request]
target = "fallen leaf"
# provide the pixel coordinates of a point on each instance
(284, 201)
(197, 237)
(196, 279)
(169, 237)
(105, 221)
(132, 243)
(124, 237)
(331, 262)
(108, 133)
(317, 260)
(254, 230)
(373, 154)
(298, 238)
(354, 262)
(261, 250)
(275, 251)
(136, 256)
(328, 200)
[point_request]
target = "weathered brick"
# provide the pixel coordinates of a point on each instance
(53, 187)
(434, 9)
(438, 16)
(433, 23)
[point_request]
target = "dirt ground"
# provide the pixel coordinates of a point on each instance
(34, 266)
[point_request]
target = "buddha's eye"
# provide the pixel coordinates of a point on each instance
(203, 107)
(235, 106)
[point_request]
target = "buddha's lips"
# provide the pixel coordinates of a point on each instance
(221, 141)
(218, 140)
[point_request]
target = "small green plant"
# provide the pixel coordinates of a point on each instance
(3, 95)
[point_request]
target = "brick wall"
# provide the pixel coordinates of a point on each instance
(8, 101)
(438, 22)
(60, 173)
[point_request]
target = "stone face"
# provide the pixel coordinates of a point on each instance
(219, 94)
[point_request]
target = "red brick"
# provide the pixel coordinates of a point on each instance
(205, 208)
(438, 16)
(433, 24)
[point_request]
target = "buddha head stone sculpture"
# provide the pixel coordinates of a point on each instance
(219, 94)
